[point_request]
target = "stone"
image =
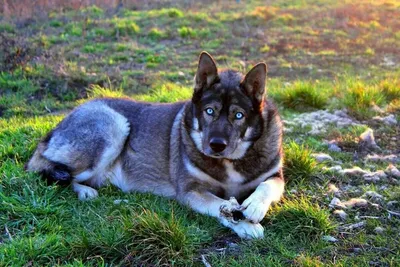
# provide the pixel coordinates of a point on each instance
(367, 140)
(333, 189)
(119, 201)
(374, 176)
(356, 225)
(355, 203)
(329, 238)
(383, 158)
(341, 214)
(379, 230)
(388, 120)
(354, 171)
(334, 147)
(393, 171)
(320, 119)
(373, 195)
(321, 157)
(335, 202)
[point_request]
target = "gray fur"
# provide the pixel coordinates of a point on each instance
(164, 148)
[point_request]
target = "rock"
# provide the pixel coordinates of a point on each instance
(383, 158)
(336, 168)
(367, 140)
(341, 214)
(393, 171)
(379, 230)
(334, 147)
(374, 176)
(320, 119)
(389, 120)
(373, 195)
(377, 109)
(321, 157)
(356, 225)
(119, 201)
(335, 202)
(355, 203)
(329, 238)
(333, 189)
(354, 171)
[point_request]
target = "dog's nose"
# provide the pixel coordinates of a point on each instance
(218, 144)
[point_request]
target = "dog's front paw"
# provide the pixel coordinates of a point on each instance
(255, 208)
(248, 230)
(231, 210)
(85, 192)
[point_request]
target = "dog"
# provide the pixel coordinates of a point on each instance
(220, 153)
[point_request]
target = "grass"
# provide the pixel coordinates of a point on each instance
(301, 219)
(300, 166)
(161, 241)
(302, 96)
(320, 55)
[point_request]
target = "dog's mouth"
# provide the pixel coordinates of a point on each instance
(216, 156)
(225, 154)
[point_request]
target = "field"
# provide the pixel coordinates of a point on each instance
(334, 69)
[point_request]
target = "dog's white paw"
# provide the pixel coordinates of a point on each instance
(228, 207)
(85, 192)
(255, 208)
(248, 230)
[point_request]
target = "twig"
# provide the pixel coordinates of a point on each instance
(8, 233)
(205, 262)
(47, 109)
(354, 226)
(393, 213)
(369, 217)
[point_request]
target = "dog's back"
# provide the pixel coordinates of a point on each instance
(107, 138)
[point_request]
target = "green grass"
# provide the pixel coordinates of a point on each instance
(299, 165)
(315, 61)
(360, 98)
(302, 96)
(300, 219)
(125, 28)
(161, 241)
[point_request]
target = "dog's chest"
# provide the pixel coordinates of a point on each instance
(234, 180)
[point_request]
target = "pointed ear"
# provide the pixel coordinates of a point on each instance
(254, 82)
(207, 71)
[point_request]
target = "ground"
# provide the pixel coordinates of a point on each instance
(333, 72)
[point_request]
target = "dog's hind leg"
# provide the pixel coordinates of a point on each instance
(83, 147)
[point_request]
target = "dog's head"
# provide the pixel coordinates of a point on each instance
(227, 108)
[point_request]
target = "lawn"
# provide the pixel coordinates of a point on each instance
(326, 60)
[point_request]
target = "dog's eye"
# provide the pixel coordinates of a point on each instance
(239, 115)
(210, 111)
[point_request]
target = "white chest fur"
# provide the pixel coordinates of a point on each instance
(233, 184)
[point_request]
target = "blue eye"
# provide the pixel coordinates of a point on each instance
(239, 115)
(210, 111)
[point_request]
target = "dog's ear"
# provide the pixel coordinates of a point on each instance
(207, 72)
(254, 82)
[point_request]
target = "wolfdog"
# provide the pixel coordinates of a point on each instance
(220, 153)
